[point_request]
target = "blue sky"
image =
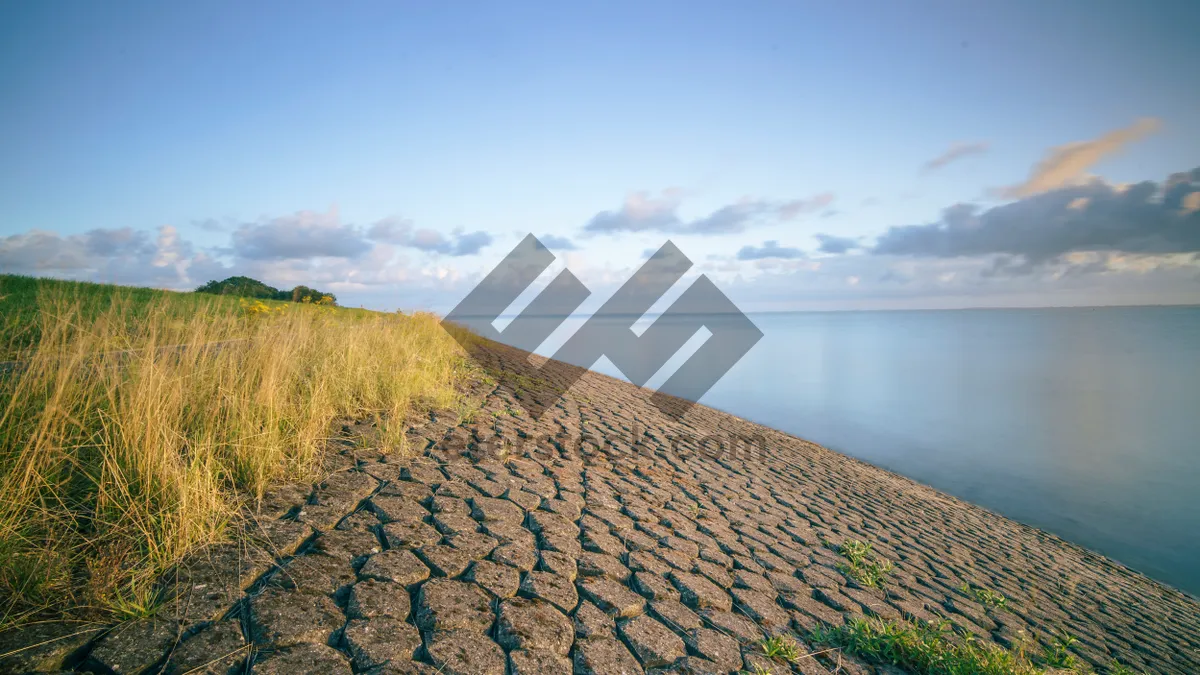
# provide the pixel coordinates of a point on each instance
(393, 152)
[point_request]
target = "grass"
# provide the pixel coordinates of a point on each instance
(985, 596)
(118, 457)
(862, 565)
(924, 648)
(781, 647)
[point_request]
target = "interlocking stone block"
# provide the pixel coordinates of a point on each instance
(372, 598)
(524, 662)
(448, 605)
(653, 643)
(281, 618)
(135, 646)
(605, 656)
(215, 650)
(465, 653)
(700, 593)
(443, 560)
(397, 565)
(500, 580)
(717, 647)
(533, 625)
(374, 642)
(43, 646)
(557, 590)
(315, 573)
(612, 597)
(410, 534)
(304, 659)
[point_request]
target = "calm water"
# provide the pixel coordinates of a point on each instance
(1083, 422)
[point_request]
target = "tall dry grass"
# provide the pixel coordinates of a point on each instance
(114, 464)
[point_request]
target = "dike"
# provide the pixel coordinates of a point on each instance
(606, 537)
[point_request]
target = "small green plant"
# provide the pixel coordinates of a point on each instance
(1118, 668)
(923, 648)
(780, 647)
(862, 565)
(755, 670)
(1058, 654)
(985, 596)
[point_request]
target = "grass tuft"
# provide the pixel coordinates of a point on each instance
(141, 421)
(985, 596)
(781, 647)
(862, 565)
(924, 648)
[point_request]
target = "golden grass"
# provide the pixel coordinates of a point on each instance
(115, 464)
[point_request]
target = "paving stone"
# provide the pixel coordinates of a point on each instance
(476, 545)
(599, 564)
(519, 557)
(397, 565)
(446, 505)
(374, 642)
(135, 646)
(604, 656)
(733, 624)
(315, 573)
(612, 597)
(560, 543)
(762, 609)
(500, 580)
(411, 534)
(43, 646)
(675, 614)
(653, 643)
(716, 647)
(690, 665)
(448, 605)
(654, 587)
(700, 593)
(487, 508)
(397, 509)
(443, 560)
(215, 650)
(304, 659)
(524, 662)
(557, 590)
(591, 621)
(558, 563)
(533, 625)
(282, 618)
(455, 523)
(372, 598)
(465, 653)
(350, 544)
(411, 490)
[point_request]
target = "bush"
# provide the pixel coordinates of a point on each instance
(245, 287)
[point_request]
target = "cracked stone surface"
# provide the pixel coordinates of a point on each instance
(534, 625)
(608, 540)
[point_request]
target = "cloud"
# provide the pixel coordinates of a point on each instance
(304, 234)
(557, 242)
(115, 255)
(399, 231)
(954, 153)
(833, 244)
(769, 249)
(643, 212)
(1144, 218)
(1067, 165)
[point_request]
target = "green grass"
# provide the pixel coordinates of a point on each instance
(1058, 654)
(924, 648)
(862, 565)
(985, 596)
(119, 457)
(781, 647)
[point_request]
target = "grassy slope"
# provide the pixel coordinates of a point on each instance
(114, 466)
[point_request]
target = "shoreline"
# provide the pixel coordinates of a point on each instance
(653, 553)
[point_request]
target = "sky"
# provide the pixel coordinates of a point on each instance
(857, 155)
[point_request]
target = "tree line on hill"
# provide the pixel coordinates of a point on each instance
(245, 287)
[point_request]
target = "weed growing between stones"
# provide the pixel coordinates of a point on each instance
(781, 647)
(985, 596)
(924, 648)
(862, 565)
